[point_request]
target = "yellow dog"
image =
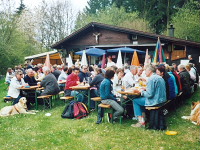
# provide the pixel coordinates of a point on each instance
(19, 108)
(195, 113)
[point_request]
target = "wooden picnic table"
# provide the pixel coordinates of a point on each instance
(34, 88)
(29, 87)
(81, 89)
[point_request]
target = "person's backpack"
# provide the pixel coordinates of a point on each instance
(80, 110)
(69, 111)
(76, 110)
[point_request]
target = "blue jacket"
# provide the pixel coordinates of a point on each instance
(156, 91)
(105, 90)
(174, 81)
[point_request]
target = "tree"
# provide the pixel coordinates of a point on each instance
(187, 22)
(95, 6)
(54, 21)
(14, 43)
(20, 8)
(113, 16)
(157, 12)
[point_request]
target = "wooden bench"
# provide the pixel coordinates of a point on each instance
(97, 101)
(157, 107)
(67, 98)
(47, 101)
(61, 93)
(8, 99)
(110, 110)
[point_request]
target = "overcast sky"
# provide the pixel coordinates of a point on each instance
(77, 5)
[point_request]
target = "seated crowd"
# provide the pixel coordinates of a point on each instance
(163, 82)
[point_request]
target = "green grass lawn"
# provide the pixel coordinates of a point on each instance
(42, 132)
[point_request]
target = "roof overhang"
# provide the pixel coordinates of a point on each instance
(92, 25)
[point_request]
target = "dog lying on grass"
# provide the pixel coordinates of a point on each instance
(195, 113)
(19, 108)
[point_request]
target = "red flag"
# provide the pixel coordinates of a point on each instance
(103, 63)
(47, 61)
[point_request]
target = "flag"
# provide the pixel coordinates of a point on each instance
(135, 60)
(119, 60)
(47, 61)
(159, 53)
(69, 61)
(103, 63)
(147, 59)
(84, 59)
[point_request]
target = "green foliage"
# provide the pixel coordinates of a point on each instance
(42, 132)
(14, 44)
(114, 16)
(187, 22)
(157, 12)
(96, 5)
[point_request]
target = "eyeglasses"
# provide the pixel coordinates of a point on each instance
(20, 74)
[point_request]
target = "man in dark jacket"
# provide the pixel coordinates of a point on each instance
(56, 72)
(29, 78)
(49, 83)
(185, 81)
(84, 73)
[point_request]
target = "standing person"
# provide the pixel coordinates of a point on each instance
(154, 94)
(110, 62)
(49, 83)
(9, 75)
(29, 78)
(73, 80)
(129, 78)
(16, 82)
(185, 81)
(108, 98)
(191, 60)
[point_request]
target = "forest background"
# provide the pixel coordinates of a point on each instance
(25, 31)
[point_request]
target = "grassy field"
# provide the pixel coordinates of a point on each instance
(38, 131)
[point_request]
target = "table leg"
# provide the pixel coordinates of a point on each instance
(89, 99)
(36, 101)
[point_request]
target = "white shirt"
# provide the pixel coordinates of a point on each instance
(117, 84)
(62, 76)
(109, 64)
(14, 85)
(129, 80)
(9, 76)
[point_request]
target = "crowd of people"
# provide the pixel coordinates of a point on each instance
(163, 82)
